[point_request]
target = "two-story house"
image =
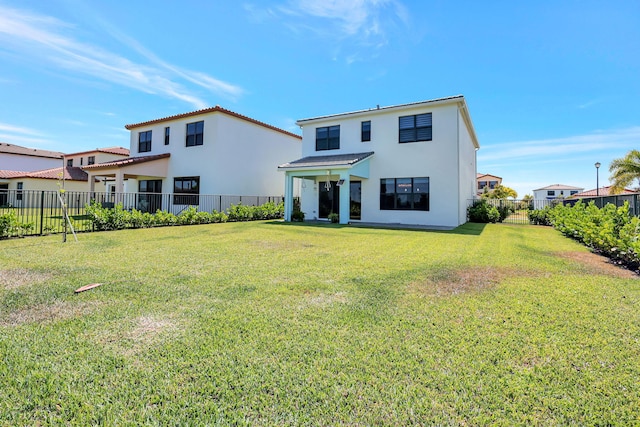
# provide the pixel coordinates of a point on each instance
(487, 182)
(556, 191)
(409, 164)
(212, 151)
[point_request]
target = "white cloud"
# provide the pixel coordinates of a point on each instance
(561, 147)
(363, 23)
(19, 130)
(44, 38)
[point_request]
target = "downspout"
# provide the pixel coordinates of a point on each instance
(458, 158)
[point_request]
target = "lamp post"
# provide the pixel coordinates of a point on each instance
(597, 179)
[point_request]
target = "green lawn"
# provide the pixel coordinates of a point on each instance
(269, 323)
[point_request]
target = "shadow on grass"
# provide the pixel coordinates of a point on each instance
(469, 228)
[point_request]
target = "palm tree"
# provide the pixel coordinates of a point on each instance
(624, 171)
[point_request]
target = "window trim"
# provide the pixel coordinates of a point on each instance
(415, 133)
(327, 141)
(197, 138)
(365, 134)
(190, 197)
(145, 146)
(384, 196)
(167, 133)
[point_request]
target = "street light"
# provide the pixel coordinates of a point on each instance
(597, 179)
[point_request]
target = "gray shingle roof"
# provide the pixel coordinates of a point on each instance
(326, 161)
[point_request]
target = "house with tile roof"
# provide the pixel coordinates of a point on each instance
(412, 164)
(14, 182)
(556, 191)
(209, 151)
(600, 192)
(18, 158)
(487, 181)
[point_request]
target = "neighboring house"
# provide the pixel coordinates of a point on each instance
(210, 151)
(409, 164)
(72, 177)
(602, 191)
(556, 191)
(487, 181)
(17, 158)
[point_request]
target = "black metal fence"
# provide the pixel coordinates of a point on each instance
(519, 209)
(43, 209)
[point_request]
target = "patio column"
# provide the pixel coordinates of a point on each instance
(92, 183)
(288, 196)
(119, 187)
(345, 199)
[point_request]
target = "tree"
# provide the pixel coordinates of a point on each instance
(500, 192)
(624, 171)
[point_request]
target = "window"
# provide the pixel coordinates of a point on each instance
(19, 192)
(144, 142)
(404, 194)
(574, 192)
(69, 162)
(186, 190)
(551, 193)
(366, 131)
(328, 138)
(482, 184)
(493, 184)
(91, 160)
(195, 132)
(166, 136)
(81, 159)
(415, 128)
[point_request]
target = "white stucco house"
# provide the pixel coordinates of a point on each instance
(556, 191)
(213, 151)
(24, 159)
(411, 164)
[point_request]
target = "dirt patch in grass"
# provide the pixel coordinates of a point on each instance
(446, 282)
(59, 310)
(597, 264)
(19, 277)
(323, 300)
(146, 327)
(137, 335)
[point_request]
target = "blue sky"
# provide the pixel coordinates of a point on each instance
(552, 86)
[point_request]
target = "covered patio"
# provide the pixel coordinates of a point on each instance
(339, 170)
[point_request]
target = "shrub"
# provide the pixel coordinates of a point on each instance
(240, 212)
(297, 216)
(333, 217)
(10, 227)
(483, 212)
(540, 216)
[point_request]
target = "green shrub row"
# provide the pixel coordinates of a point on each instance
(484, 212)
(11, 227)
(612, 231)
(117, 218)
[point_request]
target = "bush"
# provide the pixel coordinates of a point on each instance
(333, 217)
(540, 216)
(10, 227)
(297, 216)
(483, 212)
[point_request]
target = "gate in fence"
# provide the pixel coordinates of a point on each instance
(42, 210)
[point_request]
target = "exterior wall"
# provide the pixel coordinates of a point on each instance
(100, 158)
(542, 194)
(18, 162)
(237, 157)
(448, 160)
(51, 185)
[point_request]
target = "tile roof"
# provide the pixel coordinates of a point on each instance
(11, 174)
(327, 161)
(602, 191)
(128, 161)
(109, 150)
(215, 109)
(559, 187)
(480, 175)
(71, 173)
(36, 152)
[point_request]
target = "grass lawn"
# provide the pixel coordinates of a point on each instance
(269, 323)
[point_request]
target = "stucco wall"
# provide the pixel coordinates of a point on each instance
(441, 160)
(15, 162)
(237, 157)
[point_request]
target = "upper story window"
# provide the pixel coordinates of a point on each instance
(81, 159)
(365, 131)
(91, 160)
(69, 162)
(493, 184)
(166, 135)
(574, 192)
(195, 133)
(144, 142)
(328, 138)
(415, 128)
(551, 193)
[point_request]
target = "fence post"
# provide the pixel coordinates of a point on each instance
(41, 211)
